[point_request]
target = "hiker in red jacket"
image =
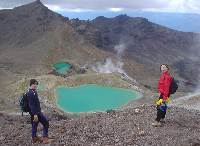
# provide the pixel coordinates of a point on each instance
(164, 93)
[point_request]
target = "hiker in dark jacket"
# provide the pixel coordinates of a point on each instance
(164, 93)
(36, 114)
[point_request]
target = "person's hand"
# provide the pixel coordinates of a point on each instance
(159, 102)
(35, 118)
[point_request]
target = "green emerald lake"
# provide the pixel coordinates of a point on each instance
(93, 98)
(62, 67)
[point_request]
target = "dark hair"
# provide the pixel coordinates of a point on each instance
(164, 65)
(33, 81)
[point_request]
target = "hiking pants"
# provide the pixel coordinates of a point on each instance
(43, 120)
(161, 112)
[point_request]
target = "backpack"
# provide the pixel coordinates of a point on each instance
(24, 104)
(173, 87)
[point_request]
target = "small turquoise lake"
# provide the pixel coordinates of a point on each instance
(62, 67)
(93, 98)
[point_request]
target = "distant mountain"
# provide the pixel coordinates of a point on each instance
(32, 38)
(22, 25)
(179, 21)
(146, 42)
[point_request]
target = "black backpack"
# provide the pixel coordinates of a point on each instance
(24, 103)
(173, 87)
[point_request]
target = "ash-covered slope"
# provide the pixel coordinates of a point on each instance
(128, 127)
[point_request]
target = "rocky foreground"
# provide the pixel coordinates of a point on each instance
(127, 127)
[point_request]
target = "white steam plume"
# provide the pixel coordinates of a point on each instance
(114, 67)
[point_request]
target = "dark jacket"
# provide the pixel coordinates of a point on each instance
(34, 102)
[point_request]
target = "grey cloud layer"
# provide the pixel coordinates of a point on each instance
(102, 4)
(91, 4)
(13, 3)
(169, 5)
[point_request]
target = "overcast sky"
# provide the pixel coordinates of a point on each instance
(186, 6)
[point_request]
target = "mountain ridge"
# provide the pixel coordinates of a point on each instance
(33, 29)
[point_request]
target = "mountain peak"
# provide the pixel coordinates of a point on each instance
(34, 5)
(38, 2)
(123, 16)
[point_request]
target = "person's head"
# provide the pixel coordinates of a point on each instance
(33, 83)
(164, 67)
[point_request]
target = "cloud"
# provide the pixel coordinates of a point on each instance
(188, 6)
(13, 3)
(184, 6)
(57, 8)
(90, 4)
(115, 9)
(105, 4)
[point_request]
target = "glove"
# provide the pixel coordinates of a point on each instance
(159, 102)
(35, 118)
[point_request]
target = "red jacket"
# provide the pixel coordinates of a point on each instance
(164, 85)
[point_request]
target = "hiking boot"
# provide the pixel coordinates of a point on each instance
(162, 121)
(156, 124)
(36, 139)
(47, 140)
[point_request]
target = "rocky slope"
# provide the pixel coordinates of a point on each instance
(32, 38)
(127, 127)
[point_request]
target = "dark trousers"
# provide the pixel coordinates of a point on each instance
(161, 112)
(43, 120)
